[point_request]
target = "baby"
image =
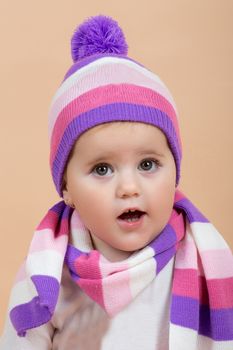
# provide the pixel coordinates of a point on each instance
(125, 261)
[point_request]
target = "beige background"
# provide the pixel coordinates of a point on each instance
(187, 43)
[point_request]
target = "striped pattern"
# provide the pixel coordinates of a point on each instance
(102, 89)
(202, 286)
(203, 280)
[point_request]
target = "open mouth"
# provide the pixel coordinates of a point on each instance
(131, 215)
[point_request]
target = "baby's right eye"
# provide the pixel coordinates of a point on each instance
(102, 170)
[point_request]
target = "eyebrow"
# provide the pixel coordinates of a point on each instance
(150, 151)
(106, 156)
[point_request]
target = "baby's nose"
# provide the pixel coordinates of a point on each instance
(128, 186)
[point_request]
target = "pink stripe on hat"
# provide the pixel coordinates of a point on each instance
(113, 71)
(107, 95)
(104, 86)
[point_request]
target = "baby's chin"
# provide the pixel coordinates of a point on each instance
(137, 244)
(116, 256)
(120, 253)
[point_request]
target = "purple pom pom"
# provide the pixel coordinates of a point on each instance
(99, 34)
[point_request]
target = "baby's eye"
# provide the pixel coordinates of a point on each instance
(102, 170)
(148, 165)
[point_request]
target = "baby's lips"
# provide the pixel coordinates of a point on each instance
(131, 213)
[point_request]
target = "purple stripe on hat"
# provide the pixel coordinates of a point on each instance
(40, 309)
(110, 113)
(87, 60)
(215, 324)
(193, 214)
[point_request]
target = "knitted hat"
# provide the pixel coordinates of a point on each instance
(104, 85)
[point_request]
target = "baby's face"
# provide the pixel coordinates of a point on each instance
(121, 179)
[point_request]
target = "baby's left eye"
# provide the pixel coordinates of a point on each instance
(102, 170)
(148, 165)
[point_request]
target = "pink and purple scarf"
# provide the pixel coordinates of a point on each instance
(202, 286)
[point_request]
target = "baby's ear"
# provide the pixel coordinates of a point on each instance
(66, 196)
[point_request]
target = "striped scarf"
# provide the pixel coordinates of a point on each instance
(201, 310)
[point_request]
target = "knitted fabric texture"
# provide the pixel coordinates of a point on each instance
(202, 300)
(104, 87)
